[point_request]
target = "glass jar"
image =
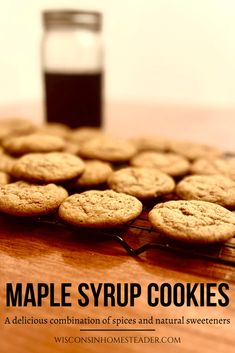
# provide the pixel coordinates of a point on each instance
(72, 61)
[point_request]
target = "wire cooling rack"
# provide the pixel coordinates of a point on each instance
(145, 238)
(138, 237)
(220, 253)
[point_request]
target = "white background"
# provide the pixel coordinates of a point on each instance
(176, 51)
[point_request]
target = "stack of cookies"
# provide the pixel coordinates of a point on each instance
(91, 179)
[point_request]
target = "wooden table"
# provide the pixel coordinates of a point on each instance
(47, 253)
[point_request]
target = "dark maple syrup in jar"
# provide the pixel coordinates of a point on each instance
(74, 99)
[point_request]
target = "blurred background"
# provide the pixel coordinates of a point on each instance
(157, 52)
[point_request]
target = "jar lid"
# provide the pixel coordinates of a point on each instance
(72, 18)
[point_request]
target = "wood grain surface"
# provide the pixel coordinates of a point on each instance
(51, 254)
(38, 252)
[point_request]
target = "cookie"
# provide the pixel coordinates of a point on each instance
(99, 209)
(95, 173)
(55, 129)
(4, 178)
(193, 221)
(24, 199)
(108, 149)
(47, 167)
(143, 183)
(15, 126)
(212, 188)
(150, 143)
(221, 166)
(19, 145)
(169, 163)
(193, 151)
(84, 134)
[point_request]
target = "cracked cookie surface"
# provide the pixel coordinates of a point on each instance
(99, 209)
(193, 221)
(19, 145)
(47, 167)
(192, 151)
(212, 188)
(221, 166)
(169, 163)
(143, 183)
(95, 173)
(24, 199)
(108, 149)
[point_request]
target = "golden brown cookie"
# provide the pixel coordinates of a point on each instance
(15, 126)
(220, 166)
(24, 199)
(212, 188)
(108, 149)
(85, 133)
(55, 129)
(47, 167)
(193, 221)
(143, 183)
(169, 163)
(4, 178)
(95, 173)
(192, 151)
(99, 209)
(19, 145)
(150, 143)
